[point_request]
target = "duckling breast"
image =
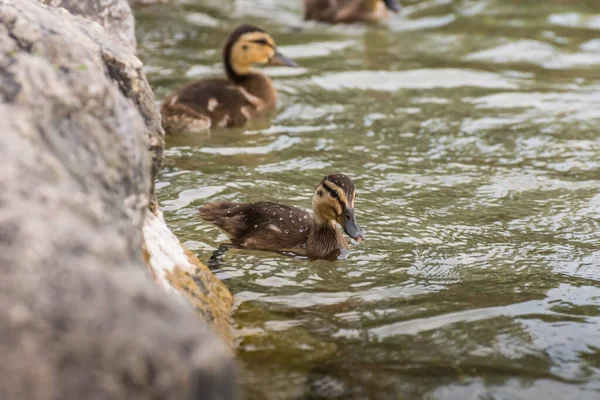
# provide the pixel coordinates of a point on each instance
(259, 91)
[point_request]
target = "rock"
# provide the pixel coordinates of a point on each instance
(124, 68)
(114, 15)
(147, 2)
(79, 314)
(177, 270)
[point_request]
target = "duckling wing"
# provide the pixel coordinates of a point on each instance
(218, 99)
(335, 11)
(261, 225)
(319, 10)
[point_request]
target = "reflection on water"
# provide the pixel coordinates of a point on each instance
(413, 79)
(470, 129)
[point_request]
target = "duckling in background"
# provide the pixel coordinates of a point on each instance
(231, 102)
(285, 229)
(347, 11)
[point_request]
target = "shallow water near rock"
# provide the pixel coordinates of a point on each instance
(470, 129)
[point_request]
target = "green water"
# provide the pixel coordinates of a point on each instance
(471, 131)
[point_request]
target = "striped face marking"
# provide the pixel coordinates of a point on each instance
(333, 202)
(330, 200)
(337, 194)
(251, 48)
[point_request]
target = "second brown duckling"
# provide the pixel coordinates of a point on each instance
(231, 102)
(348, 11)
(281, 228)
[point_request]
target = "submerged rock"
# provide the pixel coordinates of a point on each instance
(79, 314)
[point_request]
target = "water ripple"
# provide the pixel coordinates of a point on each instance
(413, 79)
(470, 130)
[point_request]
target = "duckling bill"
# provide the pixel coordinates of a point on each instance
(231, 102)
(348, 11)
(281, 228)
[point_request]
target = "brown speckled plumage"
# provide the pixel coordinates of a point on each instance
(281, 228)
(227, 113)
(348, 11)
(218, 102)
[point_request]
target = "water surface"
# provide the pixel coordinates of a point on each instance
(470, 129)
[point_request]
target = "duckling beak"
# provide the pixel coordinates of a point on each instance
(392, 5)
(350, 226)
(280, 59)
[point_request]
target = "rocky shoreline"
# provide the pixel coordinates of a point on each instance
(81, 236)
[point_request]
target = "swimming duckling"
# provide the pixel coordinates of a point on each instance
(280, 228)
(244, 95)
(347, 11)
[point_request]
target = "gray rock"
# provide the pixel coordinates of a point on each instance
(147, 2)
(114, 15)
(124, 68)
(79, 314)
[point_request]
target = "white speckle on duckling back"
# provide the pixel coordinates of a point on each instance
(212, 104)
(245, 112)
(223, 123)
(274, 228)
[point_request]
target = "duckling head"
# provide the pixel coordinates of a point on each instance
(334, 201)
(249, 45)
(392, 5)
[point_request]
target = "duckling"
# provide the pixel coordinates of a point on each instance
(231, 102)
(347, 11)
(285, 229)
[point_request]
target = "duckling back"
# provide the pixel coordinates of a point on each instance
(231, 102)
(261, 225)
(347, 11)
(217, 103)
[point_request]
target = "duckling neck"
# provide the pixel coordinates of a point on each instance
(235, 73)
(255, 84)
(324, 240)
(371, 4)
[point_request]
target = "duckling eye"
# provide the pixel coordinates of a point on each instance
(245, 47)
(262, 41)
(334, 194)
